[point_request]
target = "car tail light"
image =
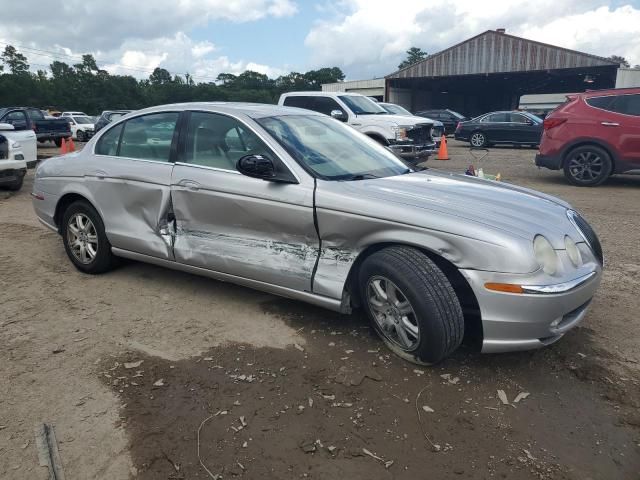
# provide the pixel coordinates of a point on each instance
(550, 123)
(34, 127)
(458, 126)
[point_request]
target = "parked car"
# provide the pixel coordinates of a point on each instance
(592, 136)
(515, 128)
(26, 118)
(294, 203)
(109, 116)
(393, 109)
(409, 137)
(82, 128)
(449, 118)
(17, 148)
(74, 114)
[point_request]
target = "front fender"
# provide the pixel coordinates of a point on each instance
(346, 236)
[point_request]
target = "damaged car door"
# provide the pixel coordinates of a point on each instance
(235, 224)
(130, 178)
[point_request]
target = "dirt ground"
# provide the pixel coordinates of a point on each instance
(235, 383)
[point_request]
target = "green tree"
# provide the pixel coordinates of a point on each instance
(226, 78)
(16, 61)
(621, 60)
(315, 78)
(414, 55)
(160, 76)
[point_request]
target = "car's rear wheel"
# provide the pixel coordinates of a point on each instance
(58, 142)
(587, 166)
(82, 137)
(478, 140)
(411, 304)
(84, 239)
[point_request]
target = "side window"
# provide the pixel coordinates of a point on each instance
(497, 118)
(628, 104)
(218, 141)
(149, 137)
(299, 102)
(517, 118)
(16, 118)
(108, 143)
(604, 103)
(326, 105)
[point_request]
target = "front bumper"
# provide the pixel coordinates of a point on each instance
(538, 317)
(11, 171)
(552, 162)
(413, 153)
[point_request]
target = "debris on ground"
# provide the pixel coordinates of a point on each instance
(503, 397)
(521, 396)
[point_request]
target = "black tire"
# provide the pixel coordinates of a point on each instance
(81, 136)
(58, 142)
(16, 185)
(435, 307)
(478, 139)
(587, 166)
(103, 260)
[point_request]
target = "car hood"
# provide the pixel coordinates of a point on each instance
(401, 120)
(432, 195)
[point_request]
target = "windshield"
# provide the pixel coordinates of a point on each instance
(330, 150)
(395, 109)
(362, 105)
(83, 120)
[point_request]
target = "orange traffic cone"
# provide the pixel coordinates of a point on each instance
(443, 154)
(63, 147)
(72, 146)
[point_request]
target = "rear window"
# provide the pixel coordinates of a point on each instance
(298, 101)
(35, 114)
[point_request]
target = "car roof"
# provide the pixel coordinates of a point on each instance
(610, 91)
(252, 110)
(322, 94)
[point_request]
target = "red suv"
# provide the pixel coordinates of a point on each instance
(593, 135)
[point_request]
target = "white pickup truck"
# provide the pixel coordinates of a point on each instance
(17, 148)
(410, 137)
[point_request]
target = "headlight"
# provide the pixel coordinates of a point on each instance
(572, 250)
(15, 145)
(545, 255)
(400, 132)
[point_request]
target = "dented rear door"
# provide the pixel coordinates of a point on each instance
(130, 180)
(231, 223)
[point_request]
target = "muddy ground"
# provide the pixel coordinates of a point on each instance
(264, 387)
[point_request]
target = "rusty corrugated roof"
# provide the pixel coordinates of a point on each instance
(494, 52)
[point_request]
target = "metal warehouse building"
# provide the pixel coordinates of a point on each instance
(491, 71)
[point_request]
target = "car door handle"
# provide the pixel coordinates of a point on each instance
(101, 174)
(190, 184)
(610, 124)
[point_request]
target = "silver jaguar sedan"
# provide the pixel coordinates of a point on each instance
(297, 204)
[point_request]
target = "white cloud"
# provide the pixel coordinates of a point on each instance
(369, 37)
(133, 38)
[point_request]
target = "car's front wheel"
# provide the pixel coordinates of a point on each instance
(81, 136)
(411, 304)
(478, 140)
(587, 166)
(84, 239)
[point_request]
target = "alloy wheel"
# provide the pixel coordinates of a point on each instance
(82, 238)
(586, 166)
(393, 313)
(477, 140)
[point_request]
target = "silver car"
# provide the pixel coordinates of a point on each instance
(297, 204)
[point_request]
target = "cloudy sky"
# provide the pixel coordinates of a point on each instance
(366, 38)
